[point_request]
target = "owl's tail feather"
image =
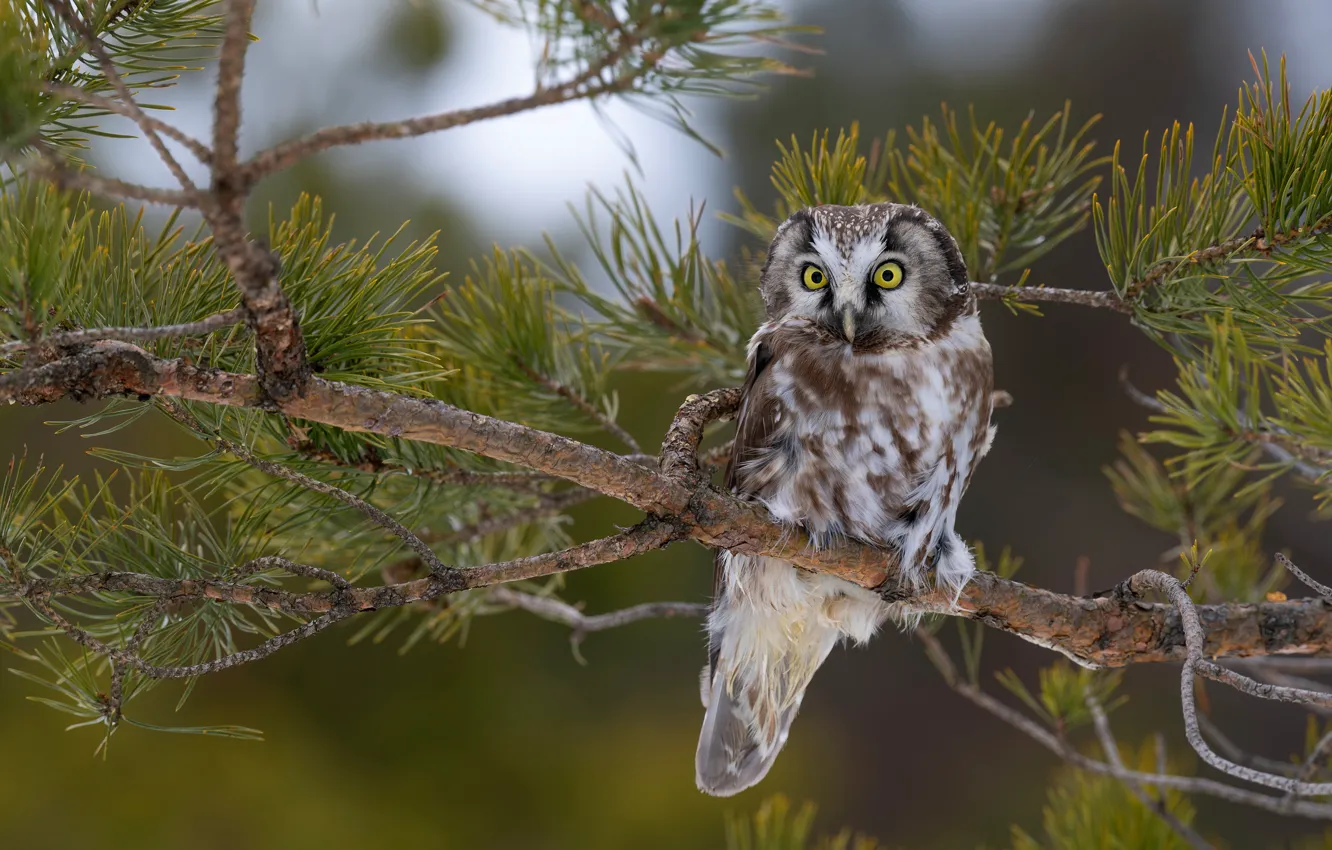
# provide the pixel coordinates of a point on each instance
(743, 731)
(751, 702)
(770, 630)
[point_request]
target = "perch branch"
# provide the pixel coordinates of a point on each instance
(1104, 632)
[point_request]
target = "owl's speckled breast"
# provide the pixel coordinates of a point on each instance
(854, 435)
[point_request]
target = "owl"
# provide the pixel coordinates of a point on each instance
(865, 411)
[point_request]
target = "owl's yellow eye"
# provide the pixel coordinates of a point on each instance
(813, 277)
(888, 275)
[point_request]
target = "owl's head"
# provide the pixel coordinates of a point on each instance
(869, 274)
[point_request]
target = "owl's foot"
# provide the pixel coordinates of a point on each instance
(953, 565)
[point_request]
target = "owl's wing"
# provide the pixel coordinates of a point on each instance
(753, 429)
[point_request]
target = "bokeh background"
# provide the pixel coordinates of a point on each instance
(507, 741)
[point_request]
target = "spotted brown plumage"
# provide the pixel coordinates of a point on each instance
(864, 414)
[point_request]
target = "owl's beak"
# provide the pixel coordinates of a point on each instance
(849, 325)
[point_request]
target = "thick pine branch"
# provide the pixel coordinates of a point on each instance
(1110, 631)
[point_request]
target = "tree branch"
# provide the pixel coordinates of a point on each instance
(1109, 631)
(587, 85)
(207, 325)
(1083, 297)
(559, 611)
(1258, 242)
(200, 151)
(1061, 748)
(283, 367)
(1110, 747)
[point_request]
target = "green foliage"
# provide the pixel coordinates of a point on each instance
(58, 530)
(1061, 702)
(1233, 398)
(22, 52)
(1008, 202)
(1178, 249)
(63, 265)
(775, 826)
(673, 308)
(1087, 811)
(1219, 512)
(521, 347)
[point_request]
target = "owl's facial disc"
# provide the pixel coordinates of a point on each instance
(869, 275)
(869, 289)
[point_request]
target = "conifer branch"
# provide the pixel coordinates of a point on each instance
(107, 65)
(1106, 631)
(1258, 243)
(200, 151)
(1102, 299)
(215, 322)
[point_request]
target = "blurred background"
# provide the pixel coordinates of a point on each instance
(507, 741)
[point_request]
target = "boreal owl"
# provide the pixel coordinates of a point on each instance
(864, 414)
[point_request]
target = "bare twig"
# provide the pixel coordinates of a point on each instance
(65, 177)
(559, 611)
(215, 322)
(1061, 748)
(125, 656)
(116, 701)
(1082, 297)
(275, 562)
(591, 83)
(1194, 663)
(1236, 754)
(1309, 581)
(1110, 747)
